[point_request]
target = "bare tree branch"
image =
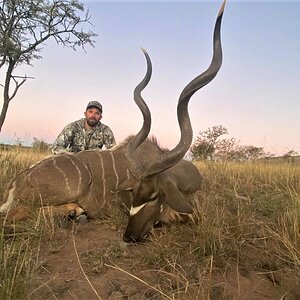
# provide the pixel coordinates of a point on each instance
(26, 25)
(18, 85)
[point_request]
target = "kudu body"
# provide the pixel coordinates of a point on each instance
(153, 183)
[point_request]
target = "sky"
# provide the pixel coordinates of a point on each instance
(256, 94)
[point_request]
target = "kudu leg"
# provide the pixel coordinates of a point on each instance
(66, 210)
(72, 210)
(18, 214)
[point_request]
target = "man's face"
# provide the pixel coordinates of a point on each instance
(92, 116)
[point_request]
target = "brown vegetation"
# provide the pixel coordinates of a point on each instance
(244, 243)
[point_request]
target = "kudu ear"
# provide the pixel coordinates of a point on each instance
(175, 199)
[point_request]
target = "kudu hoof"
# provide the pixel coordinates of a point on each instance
(82, 218)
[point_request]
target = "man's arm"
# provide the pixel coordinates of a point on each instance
(63, 141)
(109, 139)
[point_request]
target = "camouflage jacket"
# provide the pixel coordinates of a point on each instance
(74, 138)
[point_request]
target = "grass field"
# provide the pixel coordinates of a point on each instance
(246, 227)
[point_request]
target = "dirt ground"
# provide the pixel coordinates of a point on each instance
(90, 261)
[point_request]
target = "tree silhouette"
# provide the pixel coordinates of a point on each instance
(25, 26)
(210, 145)
(207, 142)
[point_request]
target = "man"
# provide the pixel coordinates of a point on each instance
(85, 134)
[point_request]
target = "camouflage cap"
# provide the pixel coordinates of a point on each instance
(94, 104)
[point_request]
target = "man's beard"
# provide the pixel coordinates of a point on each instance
(92, 122)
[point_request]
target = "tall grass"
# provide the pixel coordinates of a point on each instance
(16, 267)
(258, 200)
(247, 217)
(13, 160)
(17, 251)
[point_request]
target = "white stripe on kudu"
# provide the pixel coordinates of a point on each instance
(79, 174)
(135, 210)
(64, 175)
(103, 179)
(114, 168)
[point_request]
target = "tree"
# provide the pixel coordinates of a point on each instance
(207, 142)
(253, 152)
(289, 155)
(241, 153)
(210, 145)
(40, 145)
(25, 26)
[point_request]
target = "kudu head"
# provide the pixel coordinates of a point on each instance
(151, 184)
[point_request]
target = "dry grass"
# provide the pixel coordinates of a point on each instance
(14, 160)
(247, 221)
(18, 253)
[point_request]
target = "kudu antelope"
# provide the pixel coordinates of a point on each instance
(156, 184)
